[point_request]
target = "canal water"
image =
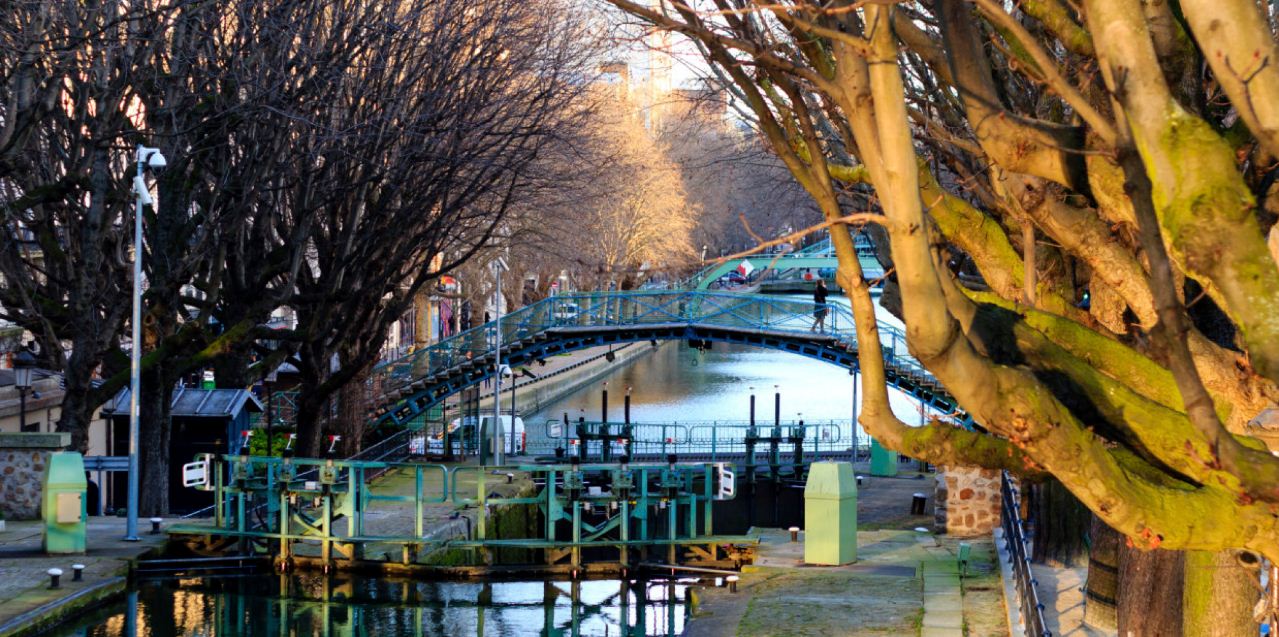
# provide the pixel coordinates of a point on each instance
(674, 384)
(291, 606)
(677, 384)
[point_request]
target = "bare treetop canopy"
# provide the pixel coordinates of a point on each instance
(1073, 201)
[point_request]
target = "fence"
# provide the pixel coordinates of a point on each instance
(1032, 611)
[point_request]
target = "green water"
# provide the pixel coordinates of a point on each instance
(337, 606)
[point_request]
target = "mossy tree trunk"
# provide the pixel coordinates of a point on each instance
(1150, 586)
(1101, 591)
(1061, 525)
(1220, 590)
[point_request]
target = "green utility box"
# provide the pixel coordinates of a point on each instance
(883, 463)
(830, 514)
(63, 506)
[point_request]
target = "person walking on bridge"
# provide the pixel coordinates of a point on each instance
(819, 313)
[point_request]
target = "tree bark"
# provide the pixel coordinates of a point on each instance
(1150, 591)
(1102, 588)
(1219, 595)
(310, 409)
(1061, 525)
(153, 444)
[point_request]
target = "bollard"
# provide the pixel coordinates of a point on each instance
(510, 477)
(794, 534)
(77, 572)
(54, 574)
(732, 583)
(917, 504)
(155, 525)
(859, 481)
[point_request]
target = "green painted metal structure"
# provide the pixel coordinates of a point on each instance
(408, 386)
(830, 514)
(792, 261)
(271, 504)
(883, 463)
(63, 505)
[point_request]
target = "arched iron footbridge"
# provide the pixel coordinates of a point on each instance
(407, 387)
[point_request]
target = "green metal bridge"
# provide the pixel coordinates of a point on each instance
(819, 256)
(409, 386)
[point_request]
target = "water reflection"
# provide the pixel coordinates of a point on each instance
(293, 606)
(677, 384)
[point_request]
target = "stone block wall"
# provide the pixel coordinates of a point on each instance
(23, 458)
(967, 501)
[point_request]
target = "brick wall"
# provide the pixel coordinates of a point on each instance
(966, 501)
(23, 459)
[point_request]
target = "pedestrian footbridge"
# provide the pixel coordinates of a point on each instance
(407, 387)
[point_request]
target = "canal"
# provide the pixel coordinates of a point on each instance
(673, 384)
(677, 384)
(345, 606)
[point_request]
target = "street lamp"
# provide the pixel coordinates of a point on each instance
(147, 159)
(499, 450)
(23, 364)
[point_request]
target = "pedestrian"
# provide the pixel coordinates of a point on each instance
(820, 309)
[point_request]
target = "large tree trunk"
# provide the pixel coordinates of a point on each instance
(1102, 587)
(153, 444)
(310, 411)
(76, 414)
(1220, 592)
(354, 404)
(1150, 587)
(1061, 525)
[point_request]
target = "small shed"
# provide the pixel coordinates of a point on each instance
(203, 421)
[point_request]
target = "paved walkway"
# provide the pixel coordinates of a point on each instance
(25, 596)
(943, 595)
(1061, 593)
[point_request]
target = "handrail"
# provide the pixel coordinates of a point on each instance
(470, 354)
(1032, 610)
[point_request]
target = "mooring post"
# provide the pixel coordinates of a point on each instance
(751, 434)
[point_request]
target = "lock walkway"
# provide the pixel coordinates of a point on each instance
(886, 592)
(27, 602)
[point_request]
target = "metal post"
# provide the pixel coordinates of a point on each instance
(604, 404)
(135, 365)
(22, 409)
(270, 425)
(499, 450)
(855, 436)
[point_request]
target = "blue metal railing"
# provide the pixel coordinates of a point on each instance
(591, 312)
(1032, 611)
(619, 309)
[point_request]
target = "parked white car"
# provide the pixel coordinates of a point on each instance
(462, 434)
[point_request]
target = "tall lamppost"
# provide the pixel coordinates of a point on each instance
(23, 364)
(147, 159)
(499, 450)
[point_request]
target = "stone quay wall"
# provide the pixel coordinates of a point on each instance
(23, 459)
(967, 501)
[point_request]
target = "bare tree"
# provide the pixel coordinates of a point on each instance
(1065, 148)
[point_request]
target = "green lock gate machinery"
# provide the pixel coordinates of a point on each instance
(611, 513)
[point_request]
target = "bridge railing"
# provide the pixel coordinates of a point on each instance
(602, 309)
(715, 439)
(619, 309)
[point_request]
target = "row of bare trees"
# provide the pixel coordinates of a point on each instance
(1106, 167)
(322, 154)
